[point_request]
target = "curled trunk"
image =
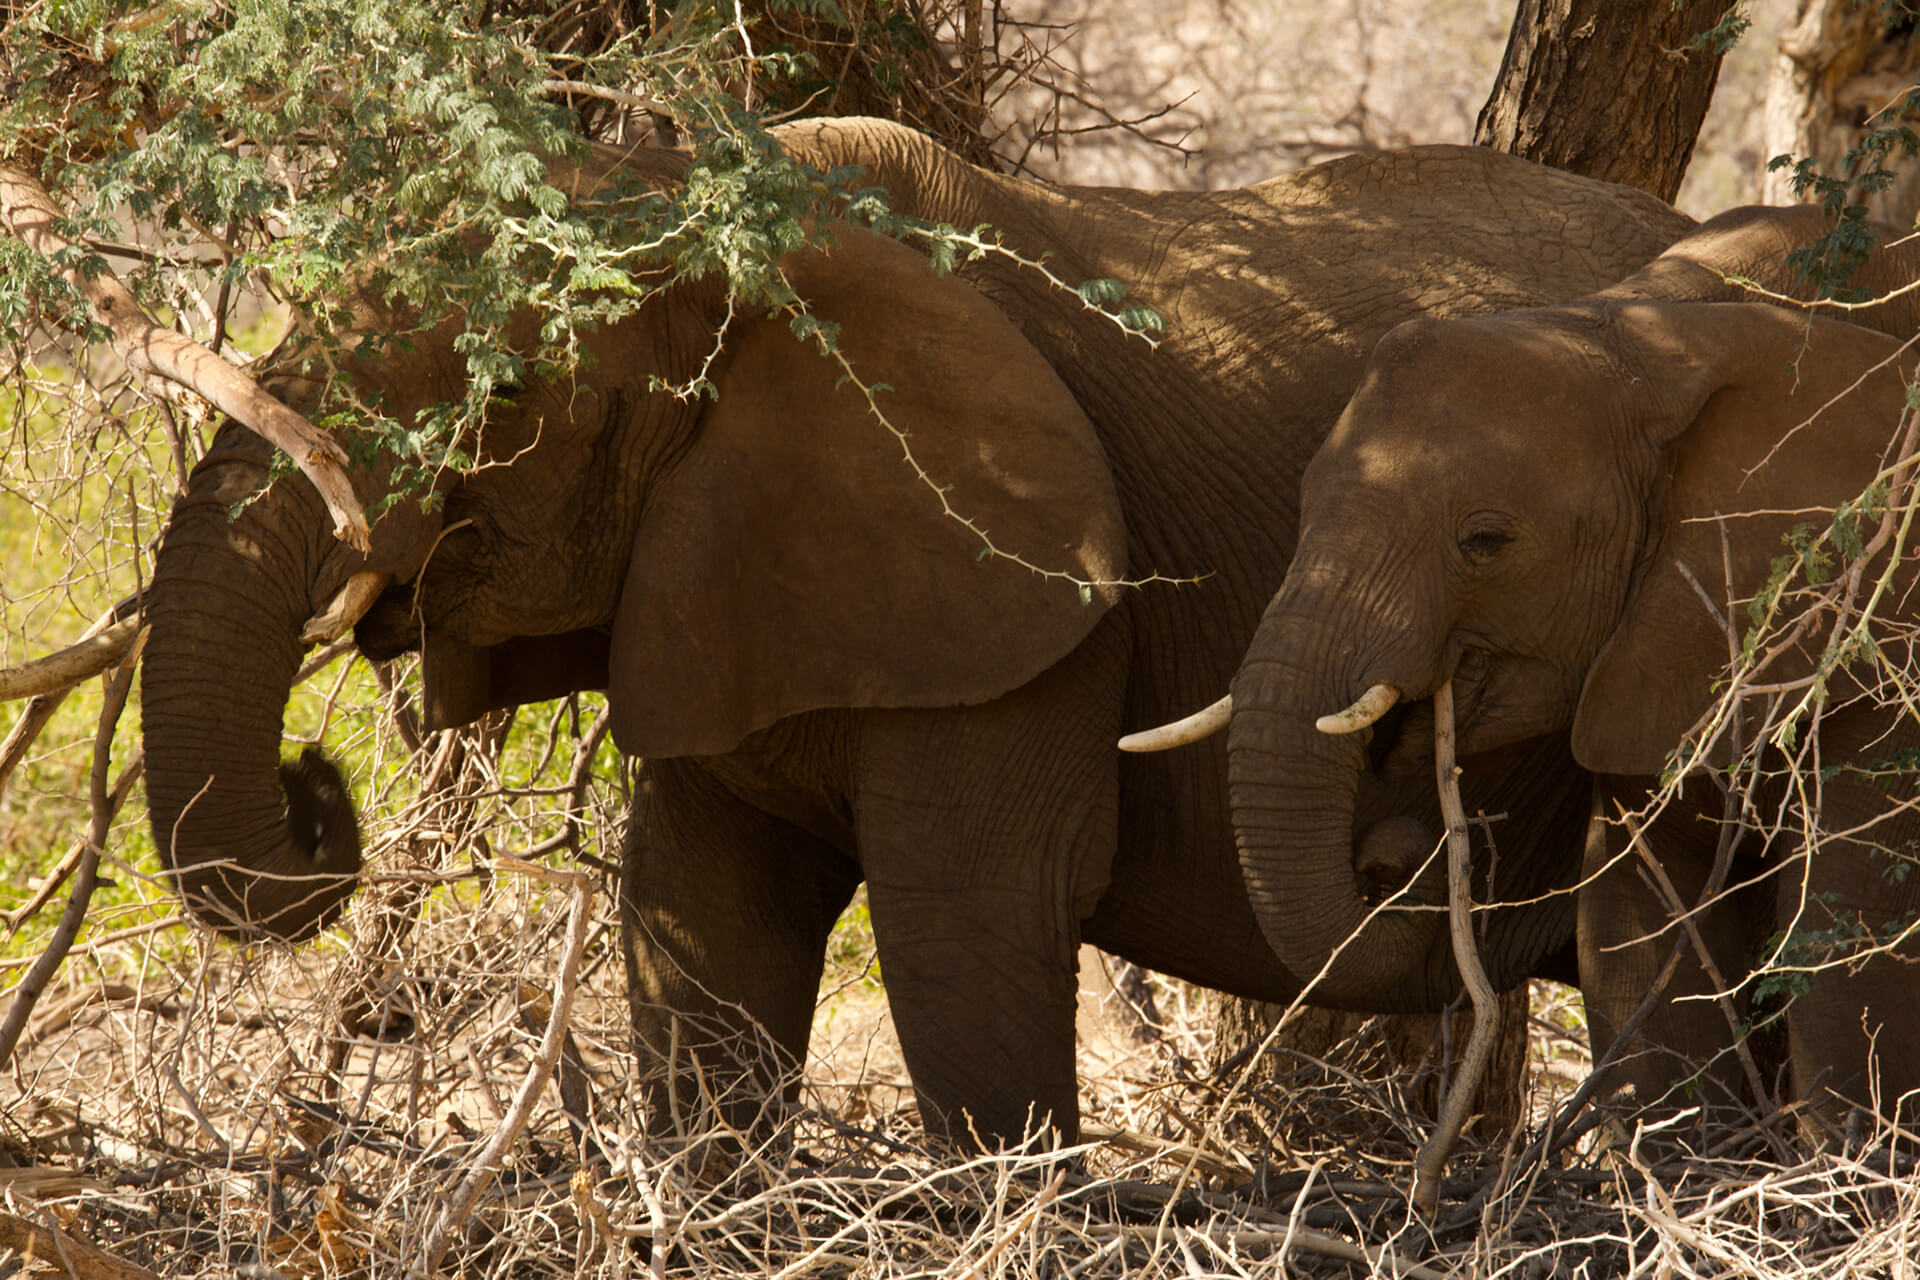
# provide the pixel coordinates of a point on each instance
(1293, 791)
(1326, 821)
(255, 846)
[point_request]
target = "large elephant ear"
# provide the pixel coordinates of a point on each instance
(1768, 421)
(793, 558)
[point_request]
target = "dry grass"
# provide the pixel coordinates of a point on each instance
(312, 1112)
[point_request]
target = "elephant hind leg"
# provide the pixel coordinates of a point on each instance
(725, 911)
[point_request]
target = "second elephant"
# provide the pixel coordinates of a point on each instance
(1566, 512)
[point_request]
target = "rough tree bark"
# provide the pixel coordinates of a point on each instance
(1610, 90)
(1839, 63)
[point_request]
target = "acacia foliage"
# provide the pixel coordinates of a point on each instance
(406, 149)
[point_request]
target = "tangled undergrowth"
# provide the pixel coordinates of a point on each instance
(180, 1107)
(443, 1086)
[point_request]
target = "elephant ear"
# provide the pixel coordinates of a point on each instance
(794, 559)
(1769, 422)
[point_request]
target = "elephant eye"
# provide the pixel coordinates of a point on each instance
(1483, 538)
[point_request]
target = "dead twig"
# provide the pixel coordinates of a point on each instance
(66, 1254)
(50, 883)
(30, 987)
(38, 714)
(156, 351)
(1432, 1160)
(460, 1202)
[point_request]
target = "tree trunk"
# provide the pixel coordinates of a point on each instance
(1613, 91)
(1838, 64)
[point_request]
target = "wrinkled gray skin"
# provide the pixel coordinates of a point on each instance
(828, 684)
(1544, 470)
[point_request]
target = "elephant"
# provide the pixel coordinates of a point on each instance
(830, 680)
(1526, 505)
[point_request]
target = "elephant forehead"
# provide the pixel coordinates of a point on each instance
(1443, 395)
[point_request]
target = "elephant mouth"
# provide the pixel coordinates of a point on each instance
(1396, 746)
(1400, 750)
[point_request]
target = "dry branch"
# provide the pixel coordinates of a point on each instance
(460, 1202)
(1486, 1005)
(64, 1254)
(29, 989)
(41, 706)
(58, 672)
(156, 351)
(51, 882)
(39, 712)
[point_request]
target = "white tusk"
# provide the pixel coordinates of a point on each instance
(1373, 704)
(346, 608)
(1203, 723)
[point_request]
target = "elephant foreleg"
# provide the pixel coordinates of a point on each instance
(1683, 1054)
(726, 912)
(1846, 917)
(987, 836)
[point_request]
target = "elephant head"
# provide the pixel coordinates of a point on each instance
(715, 563)
(1522, 504)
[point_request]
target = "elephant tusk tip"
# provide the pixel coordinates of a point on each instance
(1203, 723)
(1369, 707)
(346, 608)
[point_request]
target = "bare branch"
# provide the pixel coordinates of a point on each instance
(1486, 1005)
(156, 351)
(79, 661)
(460, 1202)
(30, 987)
(63, 1254)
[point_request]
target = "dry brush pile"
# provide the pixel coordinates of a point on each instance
(444, 1084)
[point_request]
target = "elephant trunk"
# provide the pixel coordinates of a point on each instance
(256, 847)
(1293, 789)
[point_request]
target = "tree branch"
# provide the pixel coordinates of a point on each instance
(65, 1254)
(1432, 1160)
(29, 988)
(156, 351)
(81, 660)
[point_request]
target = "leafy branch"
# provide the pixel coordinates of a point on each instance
(1831, 261)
